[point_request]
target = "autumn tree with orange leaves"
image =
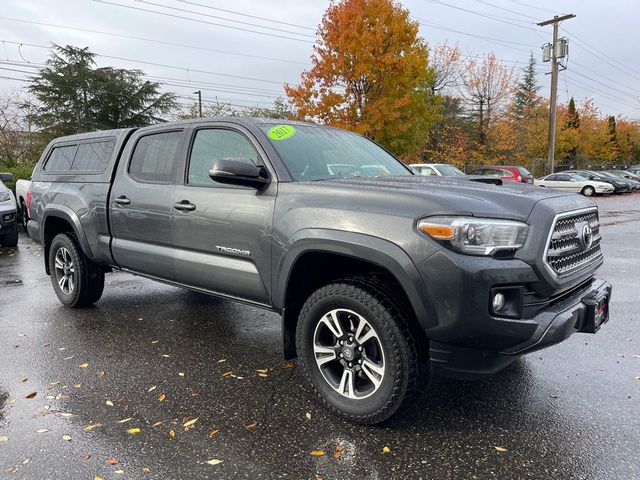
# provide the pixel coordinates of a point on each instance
(370, 74)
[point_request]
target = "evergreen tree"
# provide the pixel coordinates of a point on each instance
(574, 118)
(74, 96)
(526, 94)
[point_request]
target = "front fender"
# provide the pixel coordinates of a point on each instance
(382, 253)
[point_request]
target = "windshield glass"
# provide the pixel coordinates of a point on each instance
(579, 177)
(317, 153)
(524, 172)
(449, 170)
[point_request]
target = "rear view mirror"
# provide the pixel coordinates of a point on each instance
(239, 171)
(6, 177)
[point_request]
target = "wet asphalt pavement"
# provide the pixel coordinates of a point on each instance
(157, 357)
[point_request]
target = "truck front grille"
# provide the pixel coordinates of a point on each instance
(570, 249)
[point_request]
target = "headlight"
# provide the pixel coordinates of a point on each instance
(475, 236)
(5, 196)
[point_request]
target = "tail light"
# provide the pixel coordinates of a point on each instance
(29, 201)
(518, 178)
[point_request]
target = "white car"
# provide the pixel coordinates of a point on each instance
(574, 182)
(23, 199)
(437, 169)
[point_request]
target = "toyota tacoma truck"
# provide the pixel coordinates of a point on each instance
(384, 279)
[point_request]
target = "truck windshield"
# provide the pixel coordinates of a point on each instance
(319, 153)
(449, 170)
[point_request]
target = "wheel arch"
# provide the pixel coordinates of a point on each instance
(317, 257)
(61, 219)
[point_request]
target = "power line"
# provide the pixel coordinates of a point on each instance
(504, 43)
(247, 15)
(152, 40)
(131, 7)
(547, 10)
(508, 21)
(506, 9)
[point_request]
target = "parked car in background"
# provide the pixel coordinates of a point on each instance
(574, 182)
(437, 169)
(619, 185)
(634, 180)
(23, 201)
(504, 172)
(633, 170)
(8, 225)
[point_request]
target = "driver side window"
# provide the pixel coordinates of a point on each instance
(213, 144)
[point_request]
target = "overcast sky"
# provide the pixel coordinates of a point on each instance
(230, 55)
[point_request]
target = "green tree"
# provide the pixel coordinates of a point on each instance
(612, 142)
(74, 96)
(526, 93)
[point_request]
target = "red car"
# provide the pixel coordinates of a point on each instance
(504, 172)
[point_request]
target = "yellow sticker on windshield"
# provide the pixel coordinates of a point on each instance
(281, 132)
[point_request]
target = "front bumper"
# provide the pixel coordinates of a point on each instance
(7, 219)
(555, 323)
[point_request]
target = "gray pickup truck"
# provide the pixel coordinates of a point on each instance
(383, 278)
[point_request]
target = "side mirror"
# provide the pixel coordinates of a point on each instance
(239, 171)
(6, 177)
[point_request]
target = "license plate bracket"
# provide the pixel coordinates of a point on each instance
(597, 312)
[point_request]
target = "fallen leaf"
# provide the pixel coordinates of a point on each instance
(637, 377)
(66, 437)
(263, 375)
(308, 415)
(289, 365)
(52, 385)
(25, 461)
(23, 380)
(214, 461)
(155, 341)
(222, 360)
(385, 449)
(97, 477)
(69, 358)
(43, 430)
(263, 370)
(118, 472)
(195, 393)
(46, 344)
(151, 389)
(31, 395)
(165, 355)
(553, 396)
(158, 423)
(338, 451)
(65, 414)
(250, 425)
(500, 449)
(92, 426)
(112, 461)
(100, 373)
(213, 433)
(181, 374)
(172, 433)
(21, 334)
(83, 365)
(190, 422)
(4, 438)
(46, 407)
(318, 453)
(77, 385)
(146, 469)
(133, 431)
(85, 457)
(109, 403)
(227, 374)
(62, 349)
(162, 397)
(125, 420)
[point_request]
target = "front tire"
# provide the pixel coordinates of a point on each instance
(357, 350)
(588, 191)
(25, 216)
(77, 281)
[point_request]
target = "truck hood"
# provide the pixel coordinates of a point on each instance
(452, 196)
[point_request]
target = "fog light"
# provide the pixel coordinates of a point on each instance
(498, 302)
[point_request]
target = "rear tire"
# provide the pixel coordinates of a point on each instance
(77, 281)
(588, 191)
(25, 217)
(357, 350)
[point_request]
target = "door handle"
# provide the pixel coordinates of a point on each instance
(122, 200)
(184, 206)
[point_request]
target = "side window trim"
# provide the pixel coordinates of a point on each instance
(192, 139)
(53, 149)
(89, 142)
(133, 151)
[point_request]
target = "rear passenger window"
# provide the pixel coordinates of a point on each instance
(154, 157)
(93, 157)
(214, 144)
(60, 159)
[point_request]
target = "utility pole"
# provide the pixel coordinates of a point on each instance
(557, 50)
(199, 92)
